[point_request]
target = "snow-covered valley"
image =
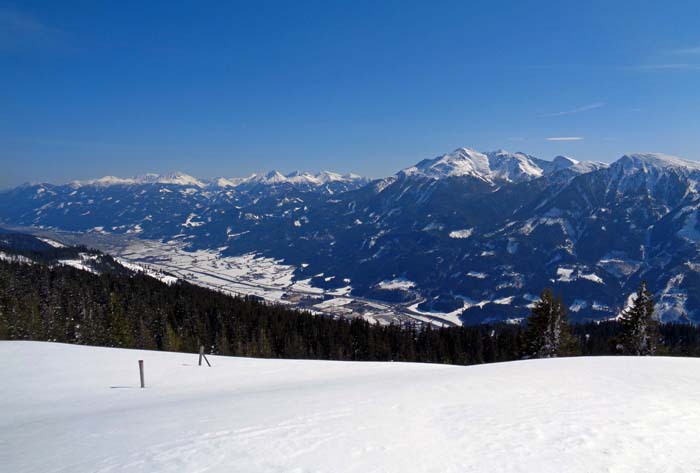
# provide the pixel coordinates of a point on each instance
(77, 409)
(254, 275)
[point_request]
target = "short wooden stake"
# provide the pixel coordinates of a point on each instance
(143, 382)
(202, 355)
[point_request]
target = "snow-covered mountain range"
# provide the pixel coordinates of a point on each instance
(307, 180)
(494, 167)
(463, 237)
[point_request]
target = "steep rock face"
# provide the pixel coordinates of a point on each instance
(481, 233)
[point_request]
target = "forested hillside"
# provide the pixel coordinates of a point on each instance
(132, 310)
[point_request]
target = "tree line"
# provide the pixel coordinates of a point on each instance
(548, 333)
(64, 304)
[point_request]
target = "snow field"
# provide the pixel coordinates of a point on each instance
(70, 408)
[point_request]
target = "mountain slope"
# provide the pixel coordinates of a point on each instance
(474, 236)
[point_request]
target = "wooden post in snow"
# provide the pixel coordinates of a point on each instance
(202, 355)
(143, 382)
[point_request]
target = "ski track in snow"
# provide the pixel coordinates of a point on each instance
(79, 409)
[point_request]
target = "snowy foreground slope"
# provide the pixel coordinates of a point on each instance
(78, 409)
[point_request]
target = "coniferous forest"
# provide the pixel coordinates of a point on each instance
(63, 304)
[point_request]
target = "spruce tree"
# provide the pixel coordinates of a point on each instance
(640, 329)
(547, 334)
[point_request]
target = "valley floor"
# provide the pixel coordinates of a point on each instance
(72, 409)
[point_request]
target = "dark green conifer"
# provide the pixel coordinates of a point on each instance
(547, 334)
(640, 329)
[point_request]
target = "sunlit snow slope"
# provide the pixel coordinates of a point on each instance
(79, 409)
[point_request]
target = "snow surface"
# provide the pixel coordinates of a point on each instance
(12, 258)
(83, 263)
(140, 268)
(248, 274)
(51, 242)
(78, 409)
(402, 284)
(461, 234)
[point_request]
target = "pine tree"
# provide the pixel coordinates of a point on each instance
(547, 334)
(640, 329)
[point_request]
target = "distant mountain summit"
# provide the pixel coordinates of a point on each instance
(176, 178)
(493, 167)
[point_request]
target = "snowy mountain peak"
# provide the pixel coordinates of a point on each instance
(327, 176)
(111, 180)
(495, 166)
(563, 162)
(492, 166)
(274, 177)
(460, 162)
(176, 178)
(224, 182)
(648, 162)
(513, 167)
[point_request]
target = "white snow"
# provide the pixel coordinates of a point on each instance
(432, 226)
(461, 162)
(79, 409)
(190, 222)
(248, 274)
(504, 300)
(182, 179)
(564, 274)
(591, 277)
(337, 302)
(296, 178)
(402, 284)
(513, 167)
(53, 243)
(140, 268)
(15, 258)
(578, 305)
(649, 161)
(81, 263)
(572, 274)
(434, 317)
(465, 233)
(340, 291)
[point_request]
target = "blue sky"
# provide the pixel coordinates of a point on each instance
(228, 88)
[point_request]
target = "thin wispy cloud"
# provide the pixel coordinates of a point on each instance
(585, 108)
(565, 138)
(665, 67)
(687, 51)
